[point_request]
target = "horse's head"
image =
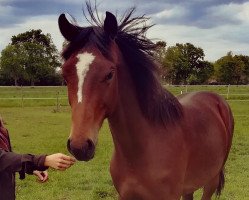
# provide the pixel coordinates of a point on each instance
(90, 73)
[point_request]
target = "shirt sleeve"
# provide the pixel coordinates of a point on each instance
(27, 163)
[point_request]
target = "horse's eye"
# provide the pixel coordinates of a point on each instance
(109, 76)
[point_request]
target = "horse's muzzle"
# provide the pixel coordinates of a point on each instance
(85, 153)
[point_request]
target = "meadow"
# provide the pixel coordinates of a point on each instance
(38, 125)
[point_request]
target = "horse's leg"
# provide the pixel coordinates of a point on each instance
(188, 196)
(210, 188)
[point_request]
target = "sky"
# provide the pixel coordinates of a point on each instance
(217, 26)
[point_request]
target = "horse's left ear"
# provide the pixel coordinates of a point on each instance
(111, 25)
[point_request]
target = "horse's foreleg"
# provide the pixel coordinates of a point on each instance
(210, 188)
(188, 197)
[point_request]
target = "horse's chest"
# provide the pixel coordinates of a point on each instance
(127, 182)
(136, 183)
(130, 189)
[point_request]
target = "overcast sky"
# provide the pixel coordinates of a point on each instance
(217, 26)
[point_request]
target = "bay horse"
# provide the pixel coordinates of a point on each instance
(165, 147)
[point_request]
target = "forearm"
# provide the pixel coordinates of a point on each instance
(14, 162)
(33, 162)
(10, 161)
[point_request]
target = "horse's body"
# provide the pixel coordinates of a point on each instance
(164, 163)
(165, 147)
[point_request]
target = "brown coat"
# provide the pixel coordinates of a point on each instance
(11, 162)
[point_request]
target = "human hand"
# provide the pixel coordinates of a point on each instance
(59, 161)
(41, 176)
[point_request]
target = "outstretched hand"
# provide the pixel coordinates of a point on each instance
(59, 161)
(41, 176)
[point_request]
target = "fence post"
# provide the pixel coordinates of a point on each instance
(186, 88)
(22, 97)
(57, 101)
(228, 91)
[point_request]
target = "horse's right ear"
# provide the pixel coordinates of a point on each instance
(68, 30)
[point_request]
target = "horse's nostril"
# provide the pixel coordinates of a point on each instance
(86, 152)
(91, 145)
(90, 149)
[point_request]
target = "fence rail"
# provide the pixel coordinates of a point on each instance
(57, 96)
(33, 96)
(230, 92)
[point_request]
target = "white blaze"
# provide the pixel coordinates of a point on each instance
(82, 67)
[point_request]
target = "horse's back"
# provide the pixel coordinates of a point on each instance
(208, 125)
(206, 112)
(205, 104)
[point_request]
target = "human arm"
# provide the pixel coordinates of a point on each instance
(13, 162)
(57, 161)
(28, 163)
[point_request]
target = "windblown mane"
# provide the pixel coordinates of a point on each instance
(156, 103)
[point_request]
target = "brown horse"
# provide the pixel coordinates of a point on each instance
(164, 147)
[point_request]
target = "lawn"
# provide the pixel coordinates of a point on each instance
(39, 129)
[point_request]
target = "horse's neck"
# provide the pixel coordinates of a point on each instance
(127, 123)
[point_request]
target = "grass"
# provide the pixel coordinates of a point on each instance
(33, 96)
(39, 130)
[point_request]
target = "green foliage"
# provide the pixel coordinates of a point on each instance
(202, 74)
(161, 50)
(184, 64)
(12, 63)
(232, 69)
(31, 58)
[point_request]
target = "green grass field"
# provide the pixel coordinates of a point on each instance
(37, 128)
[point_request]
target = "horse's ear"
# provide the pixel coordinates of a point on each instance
(111, 25)
(68, 30)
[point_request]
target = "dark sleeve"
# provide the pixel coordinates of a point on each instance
(27, 163)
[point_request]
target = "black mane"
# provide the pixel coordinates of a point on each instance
(156, 103)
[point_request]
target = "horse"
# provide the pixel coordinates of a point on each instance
(165, 147)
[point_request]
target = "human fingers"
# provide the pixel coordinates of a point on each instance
(55, 160)
(39, 175)
(66, 162)
(63, 167)
(45, 176)
(68, 158)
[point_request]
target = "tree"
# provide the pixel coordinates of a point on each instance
(184, 64)
(12, 64)
(232, 69)
(161, 50)
(245, 73)
(202, 74)
(39, 56)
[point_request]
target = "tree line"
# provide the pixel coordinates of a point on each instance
(32, 59)
(185, 64)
